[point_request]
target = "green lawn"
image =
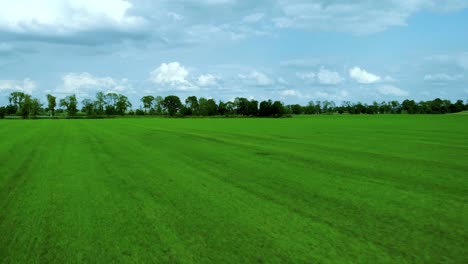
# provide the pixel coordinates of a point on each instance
(323, 189)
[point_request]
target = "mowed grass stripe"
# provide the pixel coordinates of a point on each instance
(236, 190)
(179, 152)
(290, 178)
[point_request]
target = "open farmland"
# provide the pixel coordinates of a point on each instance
(319, 189)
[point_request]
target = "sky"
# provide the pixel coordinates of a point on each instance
(295, 51)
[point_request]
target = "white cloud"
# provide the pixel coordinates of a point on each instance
(64, 17)
(359, 17)
(85, 84)
(328, 77)
(458, 60)
(323, 76)
(207, 80)
(336, 96)
(256, 79)
(25, 86)
(174, 75)
(392, 91)
(306, 76)
(442, 77)
(170, 73)
(289, 93)
(362, 76)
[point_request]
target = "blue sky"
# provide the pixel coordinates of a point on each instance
(295, 51)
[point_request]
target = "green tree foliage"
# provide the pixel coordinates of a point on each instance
(51, 104)
(70, 104)
(158, 105)
(122, 104)
(148, 102)
(172, 104)
(23, 104)
(88, 107)
(100, 103)
(35, 107)
(296, 109)
(207, 107)
(17, 99)
(117, 104)
(191, 103)
(222, 108)
(271, 109)
(3, 112)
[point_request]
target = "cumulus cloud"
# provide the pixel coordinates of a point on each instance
(206, 80)
(65, 17)
(290, 93)
(25, 86)
(256, 79)
(362, 76)
(323, 76)
(86, 84)
(174, 75)
(339, 95)
(392, 91)
(328, 77)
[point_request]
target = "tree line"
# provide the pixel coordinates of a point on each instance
(112, 104)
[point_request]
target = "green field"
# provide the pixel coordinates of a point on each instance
(321, 189)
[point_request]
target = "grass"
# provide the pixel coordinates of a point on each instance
(323, 189)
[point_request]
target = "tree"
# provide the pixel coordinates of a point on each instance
(230, 108)
(11, 109)
(100, 103)
(70, 104)
(3, 112)
(192, 104)
(172, 104)
(222, 108)
(458, 106)
(207, 107)
(396, 107)
(122, 104)
(52, 103)
(25, 107)
(409, 106)
(252, 108)
(17, 99)
(35, 107)
(111, 103)
(265, 108)
(242, 105)
(310, 108)
(88, 107)
(158, 105)
(211, 107)
(147, 101)
(277, 109)
(295, 109)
